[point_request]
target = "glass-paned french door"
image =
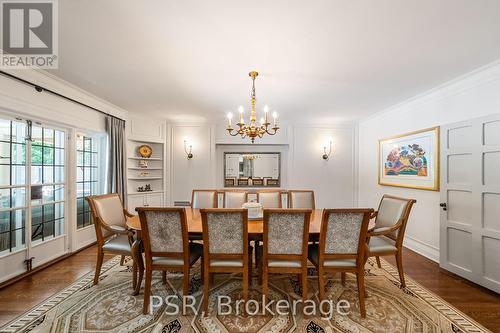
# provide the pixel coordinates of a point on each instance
(32, 189)
(87, 180)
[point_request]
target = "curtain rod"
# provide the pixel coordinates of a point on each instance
(42, 89)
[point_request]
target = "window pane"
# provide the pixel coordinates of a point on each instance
(48, 137)
(4, 241)
(36, 216)
(79, 205)
(95, 161)
(17, 218)
(59, 156)
(48, 174)
(4, 175)
(36, 155)
(59, 193)
(87, 181)
(36, 135)
(18, 175)
(48, 193)
(59, 174)
(59, 210)
(79, 190)
(48, 155)
(49, 212)
(79, 220)
(87, 144)
(79, 158)
(87, 159)
(18, 132)
(12, 197)
(36, 174)
(79, 174)
(59, 227)
(48, 229)
(4, 152)
(86, 189)
(86, 173)
(18, 153)
(59, 139)
(94, 174)
(4, 130)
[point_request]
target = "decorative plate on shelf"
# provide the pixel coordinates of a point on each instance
(145, 151)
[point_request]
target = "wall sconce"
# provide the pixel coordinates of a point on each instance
(188, 148)
(327, 145)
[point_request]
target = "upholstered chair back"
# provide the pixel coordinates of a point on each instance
(234, 199)
(301, 199)
(225, 229)
(285, 230)
(344, 232)
(204, 199)
(109, 209)
(164, 229)
(270, 199)
(391, 211)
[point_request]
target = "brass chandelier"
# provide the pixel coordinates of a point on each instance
(253, 130)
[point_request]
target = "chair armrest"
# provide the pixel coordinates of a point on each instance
(127, 213)
(116, 229)
(383, 231)
(373, 215)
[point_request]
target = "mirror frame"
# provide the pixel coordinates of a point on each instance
(255, 153)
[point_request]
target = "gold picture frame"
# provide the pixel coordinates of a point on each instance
(410, 160)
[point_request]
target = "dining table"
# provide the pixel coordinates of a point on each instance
(194, 224)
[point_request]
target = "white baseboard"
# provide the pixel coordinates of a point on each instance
(422, 248)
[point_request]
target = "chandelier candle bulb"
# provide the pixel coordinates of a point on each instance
(229, 117)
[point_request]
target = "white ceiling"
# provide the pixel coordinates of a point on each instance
(319, 61)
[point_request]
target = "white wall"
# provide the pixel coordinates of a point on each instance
(198, 172)
(471, 96)
(333, 180)
(302, 166)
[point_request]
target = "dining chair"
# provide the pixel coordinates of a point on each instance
(166, 245)
(388, 235)
(301, 199)
(285, 239)
(342, 247)
(204, 199)
(269, 199)
(235, 199)
(225, 246)
(112, 235)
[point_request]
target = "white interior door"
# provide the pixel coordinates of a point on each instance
(470, 200)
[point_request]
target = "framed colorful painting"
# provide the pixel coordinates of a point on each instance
(410, 160)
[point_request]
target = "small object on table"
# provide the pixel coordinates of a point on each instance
(147, 188)
(140, 189)
(254, 210)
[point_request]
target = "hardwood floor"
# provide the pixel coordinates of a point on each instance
(478, 303)
(28, 292)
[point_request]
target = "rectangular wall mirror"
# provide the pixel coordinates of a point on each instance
(252, 169)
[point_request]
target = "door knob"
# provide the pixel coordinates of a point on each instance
(443, 205)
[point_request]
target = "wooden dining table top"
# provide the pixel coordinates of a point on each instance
(255, 227)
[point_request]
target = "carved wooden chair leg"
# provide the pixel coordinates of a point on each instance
(100, 258)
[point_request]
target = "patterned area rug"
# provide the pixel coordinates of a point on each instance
(109, 306)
